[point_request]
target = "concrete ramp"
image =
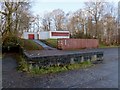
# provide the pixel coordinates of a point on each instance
(46, 47)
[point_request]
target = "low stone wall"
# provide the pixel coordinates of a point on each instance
(94, 57)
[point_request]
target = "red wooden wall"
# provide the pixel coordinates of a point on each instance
(60, 34)
(67, 44)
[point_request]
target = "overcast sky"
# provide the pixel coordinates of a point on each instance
(41, 6)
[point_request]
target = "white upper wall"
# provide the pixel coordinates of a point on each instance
(44, 35)
(55, 37)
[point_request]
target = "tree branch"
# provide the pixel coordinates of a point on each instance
(3, 13)
(16, 7)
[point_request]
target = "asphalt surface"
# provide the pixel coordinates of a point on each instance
(104, 75)
(0, 72)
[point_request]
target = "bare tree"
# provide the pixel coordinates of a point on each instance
(77, 22)
(47, 22)
(22, 20)
(96, 10)
(14, 16)
(58, 18)
(9, 9)
(110, 29)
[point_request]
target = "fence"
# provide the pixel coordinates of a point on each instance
(68, 44)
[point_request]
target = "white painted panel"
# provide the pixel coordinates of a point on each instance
(44, 35)
(55, 37)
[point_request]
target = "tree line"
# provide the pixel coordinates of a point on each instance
(95, 20)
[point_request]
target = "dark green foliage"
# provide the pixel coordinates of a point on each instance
(12, 44)
(22, 64)
(12, 41)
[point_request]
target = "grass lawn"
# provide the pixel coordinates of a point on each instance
(31, 45)
(51, 42)
(104, 46)
(57, 69)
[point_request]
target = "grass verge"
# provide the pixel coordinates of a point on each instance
(51, 42)
(30, 45)
(57, 69)
(22, 64)
(105, 46)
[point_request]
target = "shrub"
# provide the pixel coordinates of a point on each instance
(11, 43)
(22, 64)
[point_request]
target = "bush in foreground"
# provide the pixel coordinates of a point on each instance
(13, 44)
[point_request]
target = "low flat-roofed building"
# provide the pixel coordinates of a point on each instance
(46, 35)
